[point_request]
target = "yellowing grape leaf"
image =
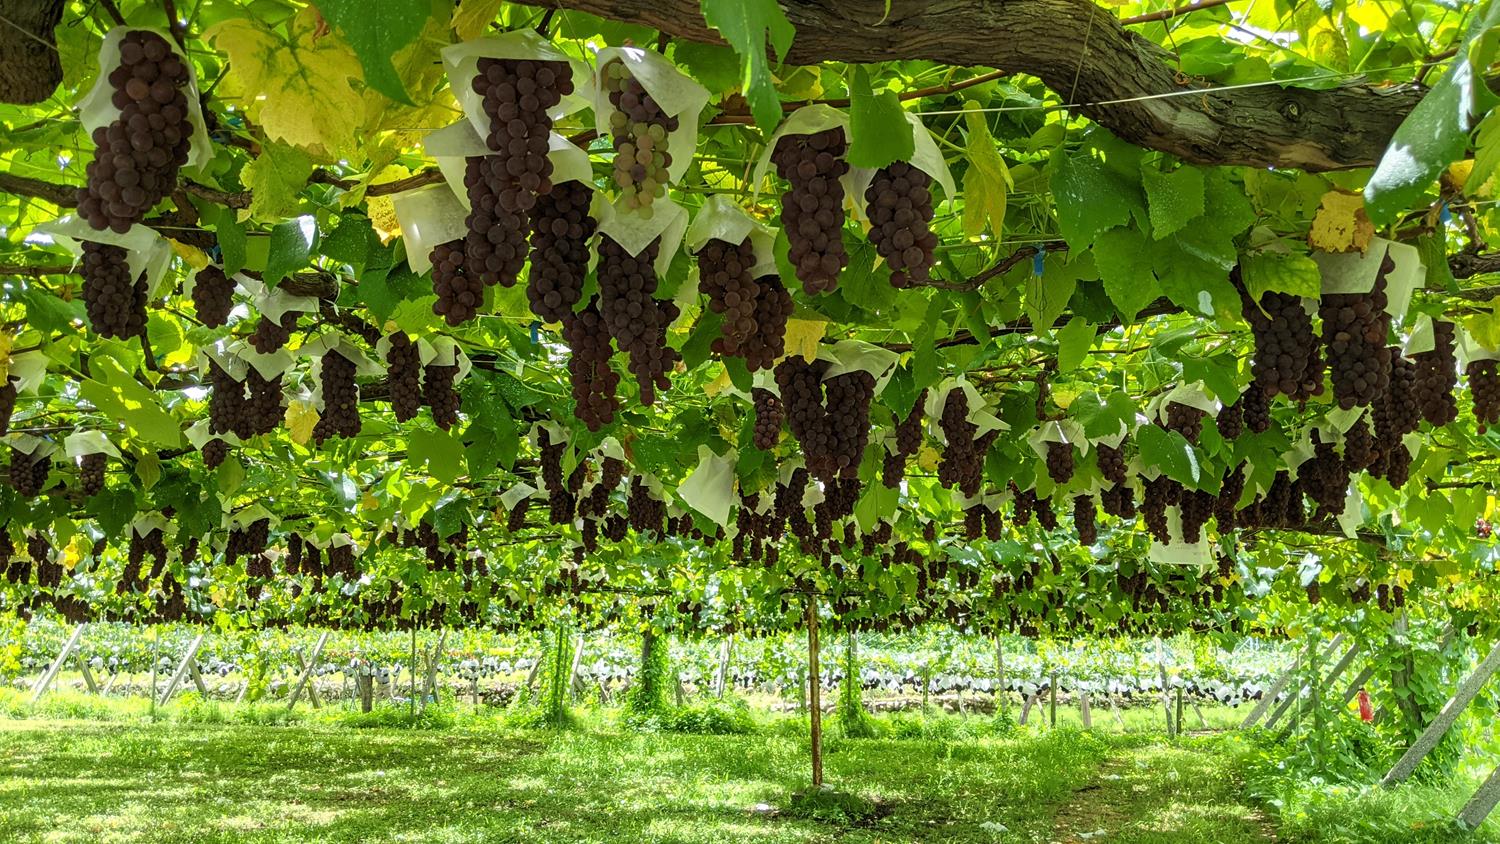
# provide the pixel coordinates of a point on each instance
(191, 255)
(1485, 327)
(301, 416)
(718, 385)
(803, 336)
(473, 17)
(296, 88)
(73, 553)
(7, 342)
(1340, 224)
(928, 458)
(1458, 174)
(397, 126)
(369, 501)
(275, 178)
(988, 180)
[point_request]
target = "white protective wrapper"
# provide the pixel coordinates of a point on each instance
(97, 108)
(249, 516)
(979, 415)
(443, 351)
(635, 232)
(1192, 395)
(1469, 349)
(1178, 552)
(199, 435)
(461, 61)
(677, 94)
(222, 352)
(710, 487)
(28, 370)
(1355, 272)
(516, 494)
(333, 341)
(27, 444)
(720, 218)
(808, 120)
(1061, 431)
(452, 145)
(89, 442)
(859, 356)
(429, 216)
(1421, 339)
(147, 251)
(925, 157)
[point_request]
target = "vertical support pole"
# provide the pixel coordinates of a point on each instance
(1000, 691)
(1482, 803)
(1026, 706)
(1166, 693)
(429, 682)
(1084, 714)
(1178, 720)
(88, 675)
(155, 658)
(1202, 722)
(57, 664)
(814, 691)
(412, 702)
(1338, 669)
(1462, 697)
(721, 677)
(1052, 700)
(1114, 708)
(312, 661)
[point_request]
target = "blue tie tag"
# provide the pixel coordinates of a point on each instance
(535, 332)
(1445, 216)
(1038, 263)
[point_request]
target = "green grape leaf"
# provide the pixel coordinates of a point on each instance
(1283, 272)
(1173, 198)
(1091, 198)
(291, 244)
(1073, 343)
(878, 131)
(377, 31)
(1170, 453)
(1124, 263)
(746, 25)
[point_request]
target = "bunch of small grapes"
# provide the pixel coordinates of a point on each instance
(115, 304)
(560, 232)
(340, 414)
(769, 414)
(137, 156)
(1059, 462)
(1196, 508)
(213, 296)
(1185, 420)
(773, 306)
(1484, 388)
(908, 442)
(91, 472)
(263, 408)
(899, 204)
(1437, 376)
(647, 514)
(494, 248)
(404, 376)
(1256, 407)
(459, 294)
(848, 416)
(439, 395)
(1118, 500)
(1325, 478)
(637, 321)
(271, 335)
(1287, 359)
(812, 209)
(1360, 448)
(1231, 420)
(639, 127)
(1355, 329)
(1085, 519)
(594, 382)
(8, 396)
(28, 472)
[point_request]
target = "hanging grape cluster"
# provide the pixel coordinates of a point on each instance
(812, 209)
(1287, 359)
(403, 361)
(1484, 388)
(1437, 376)
(560, 232)
(272, 334)
(1186, 420)
(439, 395)
(1355, 328)
(830, 419)
(1397, 413)
(1060, 462)
(636, 320)
(459, 294)
(769, 413)
(639, 128)
(908, 442)
(115, 303)
(962, 462)
(899, 205)
(136, 157)
(28, 472)
(91, 468)
(340, 414)
(594, 382)
(213, 296)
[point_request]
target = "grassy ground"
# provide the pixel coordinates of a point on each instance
(214, 772)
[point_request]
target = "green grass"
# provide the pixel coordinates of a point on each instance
(203, 771)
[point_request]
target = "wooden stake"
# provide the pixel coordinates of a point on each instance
(814, 691)
(307, 670)
(57, 664)
(1462, 697)
(1052, 705)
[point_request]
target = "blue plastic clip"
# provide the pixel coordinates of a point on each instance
(1445, 216)
(1039, 263)
(536, 327)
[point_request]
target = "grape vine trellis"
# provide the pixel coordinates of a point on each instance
(709, 308)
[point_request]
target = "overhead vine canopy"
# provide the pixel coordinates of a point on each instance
(1038, 314)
